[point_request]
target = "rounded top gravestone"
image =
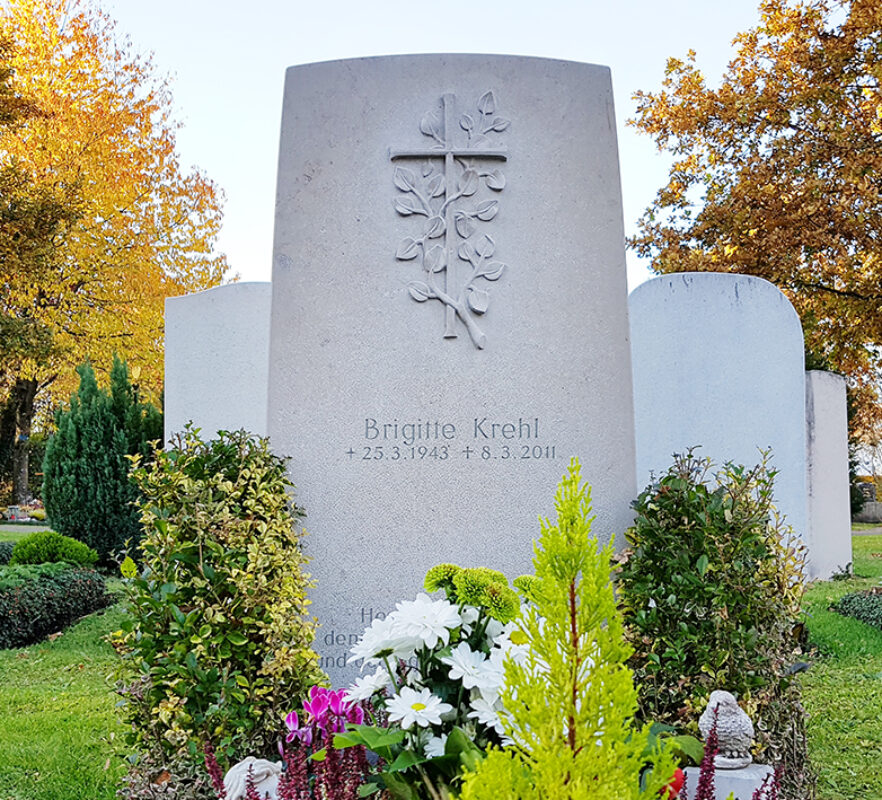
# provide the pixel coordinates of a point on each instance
(719, 363)
(449, 317)
(217, 359)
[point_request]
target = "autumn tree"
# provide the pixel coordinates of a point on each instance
(777, 173)
(103, 223)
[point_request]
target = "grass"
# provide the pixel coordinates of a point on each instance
(865, 526)
(13, 532)
(843, 688)
(57, 716)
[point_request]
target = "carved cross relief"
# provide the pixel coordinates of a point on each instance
(445, 190)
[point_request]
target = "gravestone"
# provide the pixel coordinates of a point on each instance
(829, 503)
(449, 318)
(719, 363)
(217, 359)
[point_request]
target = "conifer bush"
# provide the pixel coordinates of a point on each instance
(570, 702)
(46, 547)
(86, 487)
(217, 646)
(711, 586)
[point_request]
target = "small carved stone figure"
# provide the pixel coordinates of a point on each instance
(265, 775)
(734, 731)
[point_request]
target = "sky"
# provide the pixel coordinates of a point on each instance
(227, 63)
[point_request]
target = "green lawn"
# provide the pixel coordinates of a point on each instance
(843, 688)
(57, 716)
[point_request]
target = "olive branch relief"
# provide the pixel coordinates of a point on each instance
(446, 191)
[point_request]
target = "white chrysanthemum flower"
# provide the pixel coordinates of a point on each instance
(466, 665)
(383, 638)
(428, 620)
(368, 685)
(512, 641)
(421, 708)
(493, 629)
(486, 713)
(434, 747)
(469, 616)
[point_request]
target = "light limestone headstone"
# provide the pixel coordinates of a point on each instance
(217, 359)
(719, 363)
(829, 504)
(449, 318)
(730, 784)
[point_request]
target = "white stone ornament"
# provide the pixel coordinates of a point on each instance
(265, 775)
(734, 731)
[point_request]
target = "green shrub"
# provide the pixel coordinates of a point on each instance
(710, 586)
(86, 487)
(6, 552)
(863, 606)
(37, 600)
(44, 547)
(570, 700)
(218, 642)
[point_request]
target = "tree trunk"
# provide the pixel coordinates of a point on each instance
(22, 398)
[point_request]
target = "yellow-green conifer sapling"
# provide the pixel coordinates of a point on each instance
(570, 702)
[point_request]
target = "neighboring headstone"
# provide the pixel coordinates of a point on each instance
(449, 318)
(829, 503)
(871, 512)
(217, 359)
(719, 363)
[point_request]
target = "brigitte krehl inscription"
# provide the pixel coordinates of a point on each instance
(481, 439)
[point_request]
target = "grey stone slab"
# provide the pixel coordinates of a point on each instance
(420, 434)
(740, 783)
(719, 363)
(829, 502)
(217, 359)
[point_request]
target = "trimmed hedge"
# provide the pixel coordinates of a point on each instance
(36, 600)
(863, 606)
(44, 547)
(5, 552)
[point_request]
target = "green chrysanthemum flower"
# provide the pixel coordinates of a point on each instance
(470, 584)
(528, 586)
(501, 601)
(442, 576)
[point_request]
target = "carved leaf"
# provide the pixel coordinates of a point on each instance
(496, 180)
(429, 124)
(465, 225)
(427, 168)
(436, 259)
(466, 123)
(466, 252)
(407, 206)
(494, 271)
(404, 179)
(485, 246)
(487, 103)
(487, 210)
(408, 249)
(479, 299)
(436, 186)
(435, 227)
(500, 124)
(419, 291)
(468, 182)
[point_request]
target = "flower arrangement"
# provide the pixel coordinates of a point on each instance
(437, 674)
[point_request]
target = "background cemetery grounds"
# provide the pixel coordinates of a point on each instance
(62, 739)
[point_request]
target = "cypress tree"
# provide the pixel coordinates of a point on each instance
(86, 487)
